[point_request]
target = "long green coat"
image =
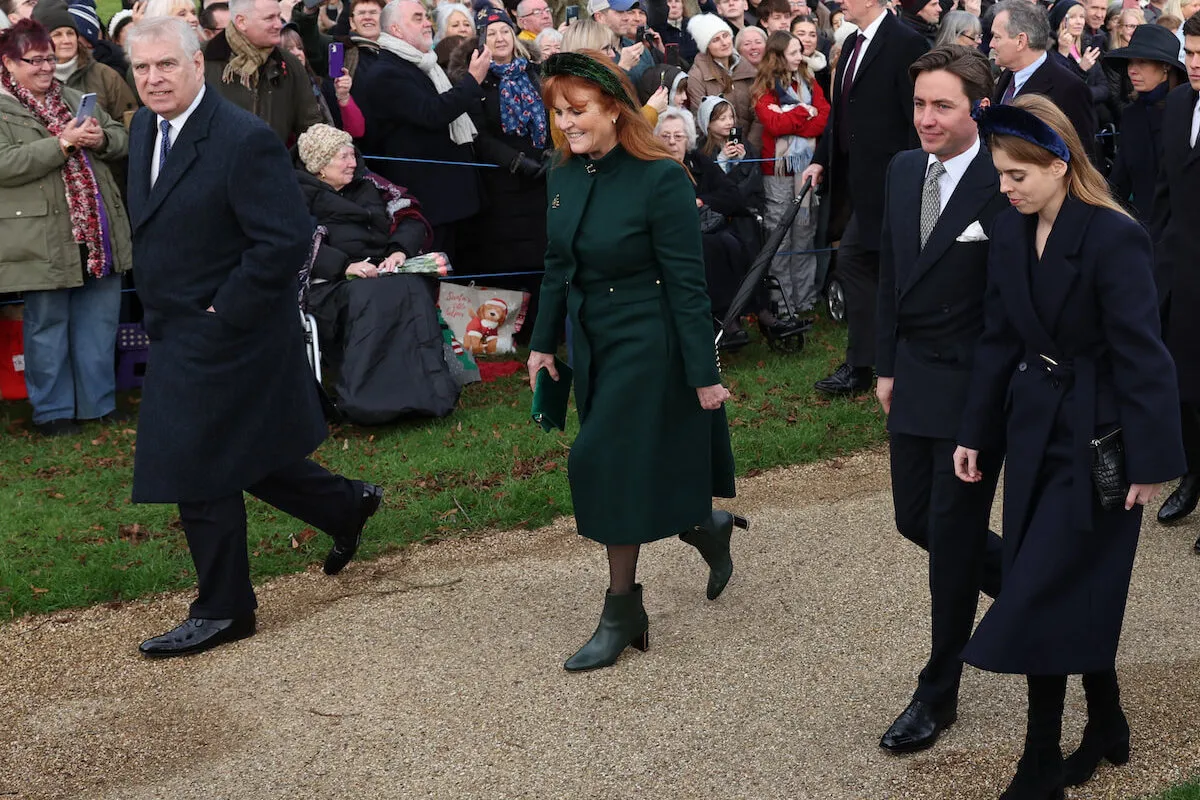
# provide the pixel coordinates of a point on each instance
(37, 249)
(625, 262)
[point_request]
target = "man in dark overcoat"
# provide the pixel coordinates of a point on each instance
(1020, 38)
(229, 404)
(1177, 254)
(939, 205)
(413, 112)
(870, 121)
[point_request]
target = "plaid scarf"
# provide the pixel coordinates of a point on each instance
(245, 60)
(83, 193)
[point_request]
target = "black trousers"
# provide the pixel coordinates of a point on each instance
(949, 519)
(216, 530)
(1190, 417)
(858, 271)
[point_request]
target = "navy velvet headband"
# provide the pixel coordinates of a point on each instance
(997, 120)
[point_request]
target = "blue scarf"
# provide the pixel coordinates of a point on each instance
(799, 150)
(521, 109)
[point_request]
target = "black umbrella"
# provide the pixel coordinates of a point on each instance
(762, 261)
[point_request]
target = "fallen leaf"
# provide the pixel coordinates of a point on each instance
(303, 537)
(38, 590)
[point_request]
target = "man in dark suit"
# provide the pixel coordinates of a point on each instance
(940, 203)
(412, 111)
(1177, 251)
(870, 121)
(229, 405)
(1020, 37)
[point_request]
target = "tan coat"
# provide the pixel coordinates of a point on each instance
(37, 249)
(112, 92)
(706, 78)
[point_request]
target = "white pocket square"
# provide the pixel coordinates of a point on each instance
(973, 233)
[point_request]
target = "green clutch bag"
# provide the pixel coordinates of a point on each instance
(550, 397)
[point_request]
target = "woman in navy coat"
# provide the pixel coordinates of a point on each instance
(1071, 352)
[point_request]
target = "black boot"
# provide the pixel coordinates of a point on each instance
(1182, 501)
(623, 623)
(711, 538)
(1040, 770)
(1106, 735)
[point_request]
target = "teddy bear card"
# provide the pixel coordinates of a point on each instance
(483, 319)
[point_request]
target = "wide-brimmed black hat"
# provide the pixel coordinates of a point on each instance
(1151, 43)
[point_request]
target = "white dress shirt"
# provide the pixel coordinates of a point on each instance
(955, 168)
(176, 126)
(1022, 75)
(868, 35)
(1195, 123)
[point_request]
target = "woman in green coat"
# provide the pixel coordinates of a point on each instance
(64, 233)
(625, 263)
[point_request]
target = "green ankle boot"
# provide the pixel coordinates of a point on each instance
(623, 623)
(711, 538)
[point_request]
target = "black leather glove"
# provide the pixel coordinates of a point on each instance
(527, 167)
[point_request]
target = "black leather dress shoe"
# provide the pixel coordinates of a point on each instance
(845, 380)
(197, 635)
(917, 728)
(1182, 501)
(344, 547)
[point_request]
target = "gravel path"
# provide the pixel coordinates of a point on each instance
(437, 674)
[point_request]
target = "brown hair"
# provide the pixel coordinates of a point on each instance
(1084, 182)
(774, 69)
(965, 63)
(1169, 21)
(1192, 26)
(633, 131)
(711, 143)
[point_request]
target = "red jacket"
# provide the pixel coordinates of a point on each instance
(791, 123)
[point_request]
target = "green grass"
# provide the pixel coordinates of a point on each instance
(70, 537)
(106, 8)
(1185, 791)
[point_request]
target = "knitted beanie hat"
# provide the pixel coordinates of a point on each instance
(115, 23)
(87, 21)
(703, 27)
(54, 15)
(705, 114)
(319, 144)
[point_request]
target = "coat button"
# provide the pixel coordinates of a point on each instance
(945, 309)
(18, 213)
(611, 289)
(1022, 366)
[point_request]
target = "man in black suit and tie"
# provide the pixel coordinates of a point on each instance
(939, 205)
(220, 230)
(1177, 252)
(870, 121)
(1020, 38)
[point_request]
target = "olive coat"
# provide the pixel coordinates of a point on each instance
(112, 92)
(37, 248)
(229, 397)
(1070, 352)
(625, 263)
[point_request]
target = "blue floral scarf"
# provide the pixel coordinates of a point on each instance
(521, 109)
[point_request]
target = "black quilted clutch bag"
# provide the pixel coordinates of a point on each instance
(1108, 471)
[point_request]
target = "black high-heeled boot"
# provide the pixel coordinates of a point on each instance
(711, 538)
(1040, 770)
(1106, 735)
(623, 624)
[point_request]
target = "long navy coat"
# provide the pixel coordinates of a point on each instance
(229, 397)
(1176, 220)
(1088, 304)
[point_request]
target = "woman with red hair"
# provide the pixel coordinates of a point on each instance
(626, 265)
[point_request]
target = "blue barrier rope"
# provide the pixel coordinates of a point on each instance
(432, 161)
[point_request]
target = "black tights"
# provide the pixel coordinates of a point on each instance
(1047, 693)
(622, 567)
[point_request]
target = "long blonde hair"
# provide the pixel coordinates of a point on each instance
(1084, 181)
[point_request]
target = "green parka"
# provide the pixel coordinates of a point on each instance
(37, 249)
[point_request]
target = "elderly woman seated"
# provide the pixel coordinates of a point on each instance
(719, 201)
(378, 329)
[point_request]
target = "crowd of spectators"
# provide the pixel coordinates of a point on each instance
(445, 101)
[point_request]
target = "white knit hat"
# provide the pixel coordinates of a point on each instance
(704, 115)
(116, 20)
(703, 27)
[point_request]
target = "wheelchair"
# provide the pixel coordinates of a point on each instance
(308, 323)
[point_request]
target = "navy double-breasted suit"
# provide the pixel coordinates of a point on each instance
(1071, 350)
(228, 397)
(930, 319)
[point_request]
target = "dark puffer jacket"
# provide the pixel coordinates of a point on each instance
(358, 223)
